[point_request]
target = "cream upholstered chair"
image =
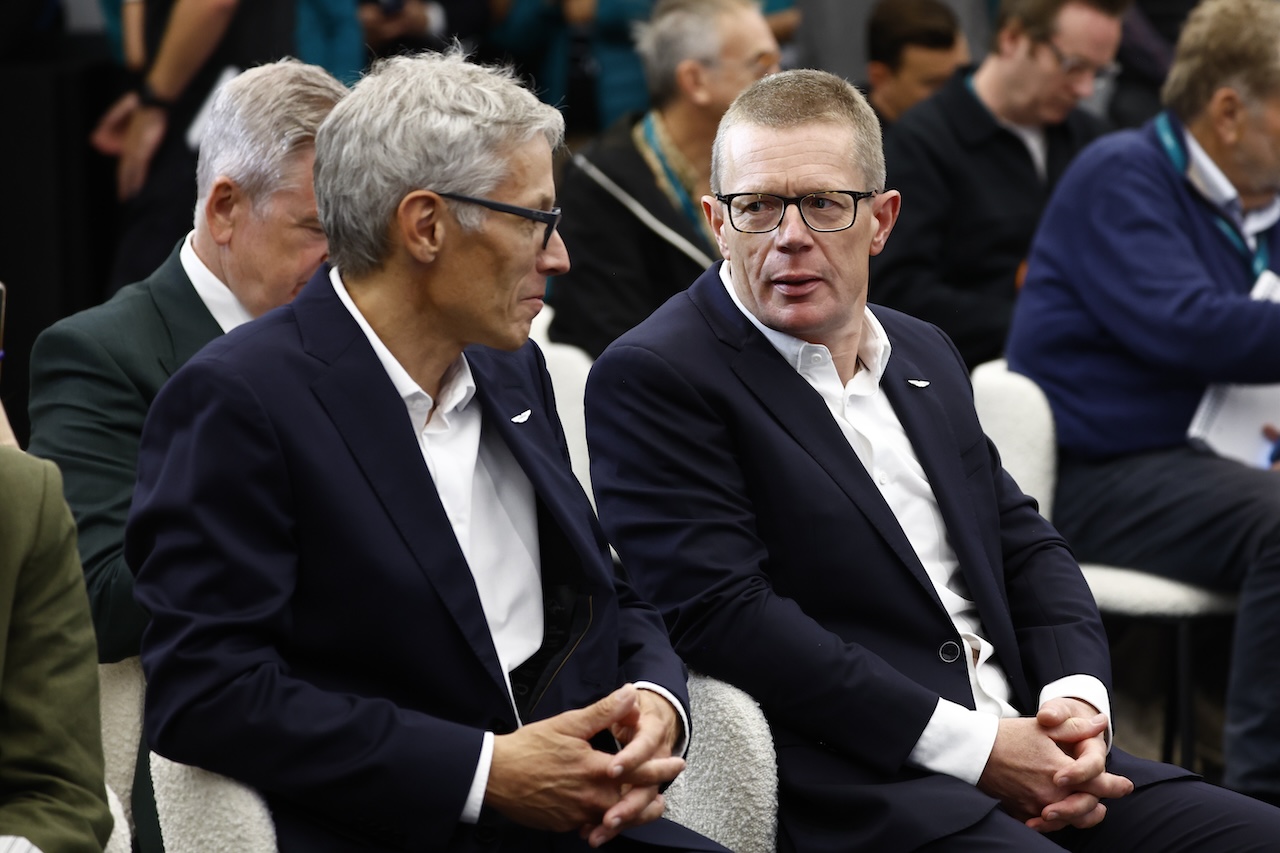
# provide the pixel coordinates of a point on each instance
(729, 788)
(201, 811)
(121, 687)
(1016, 416)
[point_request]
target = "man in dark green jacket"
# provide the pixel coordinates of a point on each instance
(256, 241)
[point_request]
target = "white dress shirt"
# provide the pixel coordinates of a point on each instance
(216, 296)
(490, 504)
(957, 741)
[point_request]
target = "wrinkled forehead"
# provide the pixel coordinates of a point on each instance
(817, 155)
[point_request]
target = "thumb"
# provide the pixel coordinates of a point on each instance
(595, 718)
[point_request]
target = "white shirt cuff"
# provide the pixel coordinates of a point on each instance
(682, 742)
(17, 844)
(475, 797)
(1086, 688)
(956, 742)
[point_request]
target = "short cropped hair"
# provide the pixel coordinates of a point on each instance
(801, 97)
(1233, 43)
(898, 24)
(1039, 18)
(429, 121)
(259, 122)
(678, 30)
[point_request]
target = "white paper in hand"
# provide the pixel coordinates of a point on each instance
(1230, 417)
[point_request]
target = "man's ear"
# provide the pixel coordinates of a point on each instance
(714, 211)
(691, 80)
(421, 224)
(1010, 38)
(1226, 111)
(878, 73)
(225, 207)
(885, 208)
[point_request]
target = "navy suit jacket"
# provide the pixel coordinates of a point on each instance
(315, 630)
(740, 510)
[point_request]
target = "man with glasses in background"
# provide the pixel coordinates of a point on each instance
(976, 164)
(800, 483)
(378, 594)
(1147, 285)
(637, 235)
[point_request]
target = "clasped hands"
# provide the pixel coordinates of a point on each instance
(548, 776)
(1050, 770)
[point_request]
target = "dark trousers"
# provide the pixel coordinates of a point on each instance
(1192, 516)
(1178, 816)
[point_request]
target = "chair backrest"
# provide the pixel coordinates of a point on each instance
(1015, 414)
(201, 811)
(569, 367)
(729, 788)
(122, 687)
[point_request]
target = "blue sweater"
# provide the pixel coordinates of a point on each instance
(1135, 300)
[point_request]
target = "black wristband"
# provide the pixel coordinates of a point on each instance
(148, 98)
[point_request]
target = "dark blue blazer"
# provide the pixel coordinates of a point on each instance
(740, 510)
(315, 630)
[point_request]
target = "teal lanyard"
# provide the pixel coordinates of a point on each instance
(1260, 258)
(691, 210)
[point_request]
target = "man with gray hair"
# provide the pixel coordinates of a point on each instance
(798, 480)
(378, 594)
(636, 234)
(1138, 300)
(94, 375)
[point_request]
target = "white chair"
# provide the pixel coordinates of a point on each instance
(121, 838)
(729, 788)
(201, 811)
(728, 791)
(1016, 416)
(121, 687)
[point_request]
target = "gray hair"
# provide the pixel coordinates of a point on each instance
(259, 122)
(429, 121)
(802, 97)
(678, 30)
(1225, 43)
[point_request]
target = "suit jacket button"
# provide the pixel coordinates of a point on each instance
(949, 651)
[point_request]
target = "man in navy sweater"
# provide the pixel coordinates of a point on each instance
(1137, 299)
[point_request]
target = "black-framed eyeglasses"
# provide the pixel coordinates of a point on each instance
(550, 217)
(759, 213)
(1078, 66)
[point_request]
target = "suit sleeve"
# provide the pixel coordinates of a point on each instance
(214, 536)
(674, 500)
(87, 415)
(52, 790)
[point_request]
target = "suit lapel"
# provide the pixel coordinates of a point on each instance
(363, 404)
(801, 411)
(189, 322)
(928, 426)
(534, 442)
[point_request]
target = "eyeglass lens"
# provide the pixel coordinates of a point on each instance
(827, 211)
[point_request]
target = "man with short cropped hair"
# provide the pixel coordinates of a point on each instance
(636, 233)
(378, 593)
(1137, 301)
(798, 480)
(977, 161)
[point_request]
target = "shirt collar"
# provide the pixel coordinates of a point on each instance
(873, 345)
(1217, 189)
(216, 296)
(458, 386)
